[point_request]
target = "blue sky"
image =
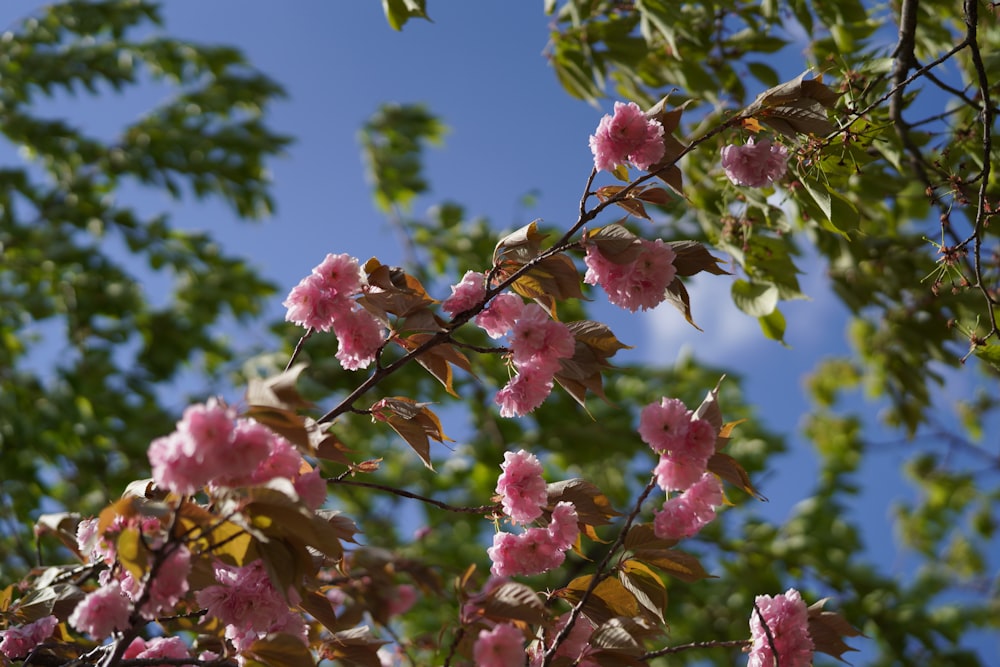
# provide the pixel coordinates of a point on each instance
(513, 130)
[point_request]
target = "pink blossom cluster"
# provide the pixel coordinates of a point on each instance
(499, 316)
(158, 647)
(171, 581)
(787, 619)
(685, 514)
(627, 135)
(523, 497)
(248, 604)
(211, 447)
(323, 300)
(641, 283)
(501, 646)
(19, 641)
(537, 344)
(468, 293)
(684, 443)
(576, 646)
(754, 164)
(521, 487)
(102, 611)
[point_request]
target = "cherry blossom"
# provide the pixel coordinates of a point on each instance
(102, 611)
(499, 316)
(627, 135)
(684, 515)
(640, 284)
(469, 292)
(503, 646)
(521, 486)
(158, 647)
(787, 619)
(754, 164)
(532, 552)
(18, 641)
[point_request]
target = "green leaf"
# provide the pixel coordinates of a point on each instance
(755, 299)
(773, 325)
(398, 12)
(838, 214)
(989, 353)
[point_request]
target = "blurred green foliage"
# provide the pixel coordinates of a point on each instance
(74, 432)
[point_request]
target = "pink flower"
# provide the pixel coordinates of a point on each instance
(197, 452)
(498, 318)
(664, 426)
(639, 284)
(503, 646)
(339, 276)
(628, 135)
(684, 515)
(576, 646)
(565, 525)
(311, 488)
(531, 552)
(540, 342)
(19, 641)
(283, 460)
(159, 647)
(521, 486)
(787, 618)
(754, 165)
(359, 336)
(310, 306)
(169, 585)
(319, 297)
(251, 445)
(102, 611)
(466, 294)
(525, 392)
(673, 475)
(248, 604)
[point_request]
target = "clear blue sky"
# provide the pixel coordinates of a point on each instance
(513, 130)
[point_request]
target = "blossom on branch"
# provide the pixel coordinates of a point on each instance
(158, 647)
(787, 620)
(754, 164)
(249, 605)
(521, 486)
(641, 283)
(537, 344)
(628, 135)
(499, 316)
(468, 293)
(503, 646)
(102, 611)
(18, 641)
(684, 442)
(684, 515)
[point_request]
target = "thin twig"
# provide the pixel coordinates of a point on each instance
(481, 509)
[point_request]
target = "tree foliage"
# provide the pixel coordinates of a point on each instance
(71, 430)
(890, 185)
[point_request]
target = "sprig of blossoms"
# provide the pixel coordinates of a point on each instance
(523, 496)
(641, 283)
(249, 605)
(537, 345)
(787, 620)
(627, 135)
(211, 448)
(323, 300)
(754, 164)
(19, 641)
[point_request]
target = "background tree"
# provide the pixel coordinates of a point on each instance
(852, 199)
(72, 430)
